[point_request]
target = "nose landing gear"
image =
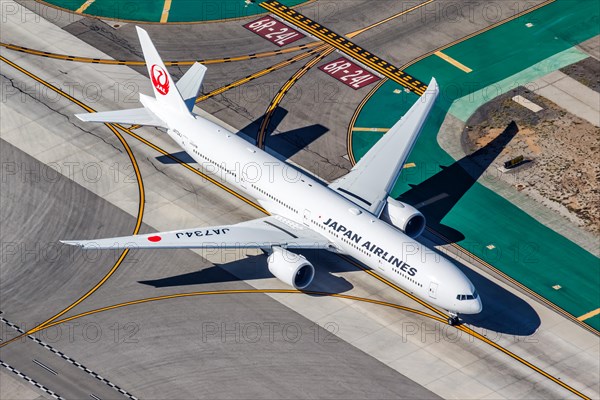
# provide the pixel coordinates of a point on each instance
(453, 320)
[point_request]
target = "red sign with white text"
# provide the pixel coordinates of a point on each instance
(349, 73)
(274, 31)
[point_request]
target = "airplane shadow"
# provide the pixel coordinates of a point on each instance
(503, 312)
(253, 268)
(436, 196)
(181, 155)
(284, 145)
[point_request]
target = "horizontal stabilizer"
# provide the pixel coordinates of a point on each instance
(190, 83)
(135, 116)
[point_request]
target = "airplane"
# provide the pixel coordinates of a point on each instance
(354, 215)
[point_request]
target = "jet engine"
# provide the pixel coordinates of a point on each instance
(404, 217)
(290, 268)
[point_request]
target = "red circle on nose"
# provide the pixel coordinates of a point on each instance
(154, 238)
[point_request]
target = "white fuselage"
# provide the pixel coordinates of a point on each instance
(282, 189)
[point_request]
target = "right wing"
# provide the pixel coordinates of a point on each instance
(261, 233)
(370, 181)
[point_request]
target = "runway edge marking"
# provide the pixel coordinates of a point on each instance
(30, 380)
(68, 359)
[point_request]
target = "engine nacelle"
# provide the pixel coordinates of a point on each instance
(404, 217)
(290, 268)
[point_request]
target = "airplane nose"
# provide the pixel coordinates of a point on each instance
(477, 306)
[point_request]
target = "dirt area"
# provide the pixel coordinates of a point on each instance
(561, 167)
(586, 72)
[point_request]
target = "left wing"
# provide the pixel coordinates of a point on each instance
(370, 181)
(261, 233)
(141, 116)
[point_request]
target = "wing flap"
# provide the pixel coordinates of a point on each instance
(259, 234)
(370, 181)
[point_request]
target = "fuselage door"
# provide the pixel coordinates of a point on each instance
(306, 219)
(433, 290)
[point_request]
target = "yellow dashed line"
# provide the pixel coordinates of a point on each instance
(452, 61)
(589, 315)
(409, 165)
(84, 6)
(165, 13)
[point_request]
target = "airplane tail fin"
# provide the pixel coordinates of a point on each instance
(165, 92)
(169, 99)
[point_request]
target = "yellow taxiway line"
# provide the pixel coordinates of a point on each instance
(107, 61)
(249, 78)
(589, 315)
(245, 291)
(259, 74)
(345, 46)
(260, 142)
(84, 6)
(357, 129)
(452, 61)
(52, 320)
(165, 12)
(141, 200)
(388, 19)
(479, 32)
(261, 136)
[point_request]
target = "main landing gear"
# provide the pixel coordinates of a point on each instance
(453, 320)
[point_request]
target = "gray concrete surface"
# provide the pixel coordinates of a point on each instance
(571, 95)
(398, 42)
(592, 47)
(61, 200)
(295, 358)
(54, 375)
(180, 347)
(14, 387)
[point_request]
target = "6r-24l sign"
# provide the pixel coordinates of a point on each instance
(349, 73)
(274, 31)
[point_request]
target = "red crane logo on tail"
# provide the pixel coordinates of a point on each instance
(160, 79)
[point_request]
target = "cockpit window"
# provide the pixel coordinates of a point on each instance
(462, 297)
